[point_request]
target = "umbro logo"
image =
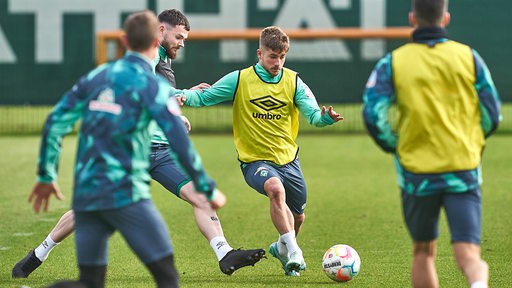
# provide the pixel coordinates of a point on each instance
(268, 103)
(220, 244)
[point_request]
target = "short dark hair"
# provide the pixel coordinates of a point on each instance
(174, 18)
(274, 38)
(429, 12)
(141, 30)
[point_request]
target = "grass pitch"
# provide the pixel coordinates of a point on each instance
(352, 199)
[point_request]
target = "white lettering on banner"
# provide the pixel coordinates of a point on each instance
(49, 27)
(233, 14)
(373, 15)
(293, 14)
(296, 13)
(267, 4)
(6, 54)
(340, 4)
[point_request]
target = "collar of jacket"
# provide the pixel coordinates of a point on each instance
(427, 34)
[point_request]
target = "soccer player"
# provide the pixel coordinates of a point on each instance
(267, 99)
(116, 102)
(173, 31)
(447, 105)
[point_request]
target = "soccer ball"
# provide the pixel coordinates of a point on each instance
(341, 263)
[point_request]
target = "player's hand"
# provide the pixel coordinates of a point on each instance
(186, 122)
(181, 99)
(333, 114)
(41, 195)
(200, 86)
(219, 201)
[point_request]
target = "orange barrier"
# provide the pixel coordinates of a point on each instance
(102, 38)
(253, 34)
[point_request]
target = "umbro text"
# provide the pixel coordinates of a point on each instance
(267, 116)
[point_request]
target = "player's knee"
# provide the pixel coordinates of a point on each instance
(275, 189)
(467, 254)
(197, 200)
(427, 248)
(464, 260)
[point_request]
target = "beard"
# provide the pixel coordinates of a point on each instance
(169, 50)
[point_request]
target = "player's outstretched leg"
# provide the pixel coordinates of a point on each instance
(26, 265)
(64, 227)
(236, 259)
(208, 223)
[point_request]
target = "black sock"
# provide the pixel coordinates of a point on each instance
(164, 272)
(93, 276)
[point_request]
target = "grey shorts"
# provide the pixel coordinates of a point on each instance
(257, 173)
(166, 170)
(140, 224)
(463, 212)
